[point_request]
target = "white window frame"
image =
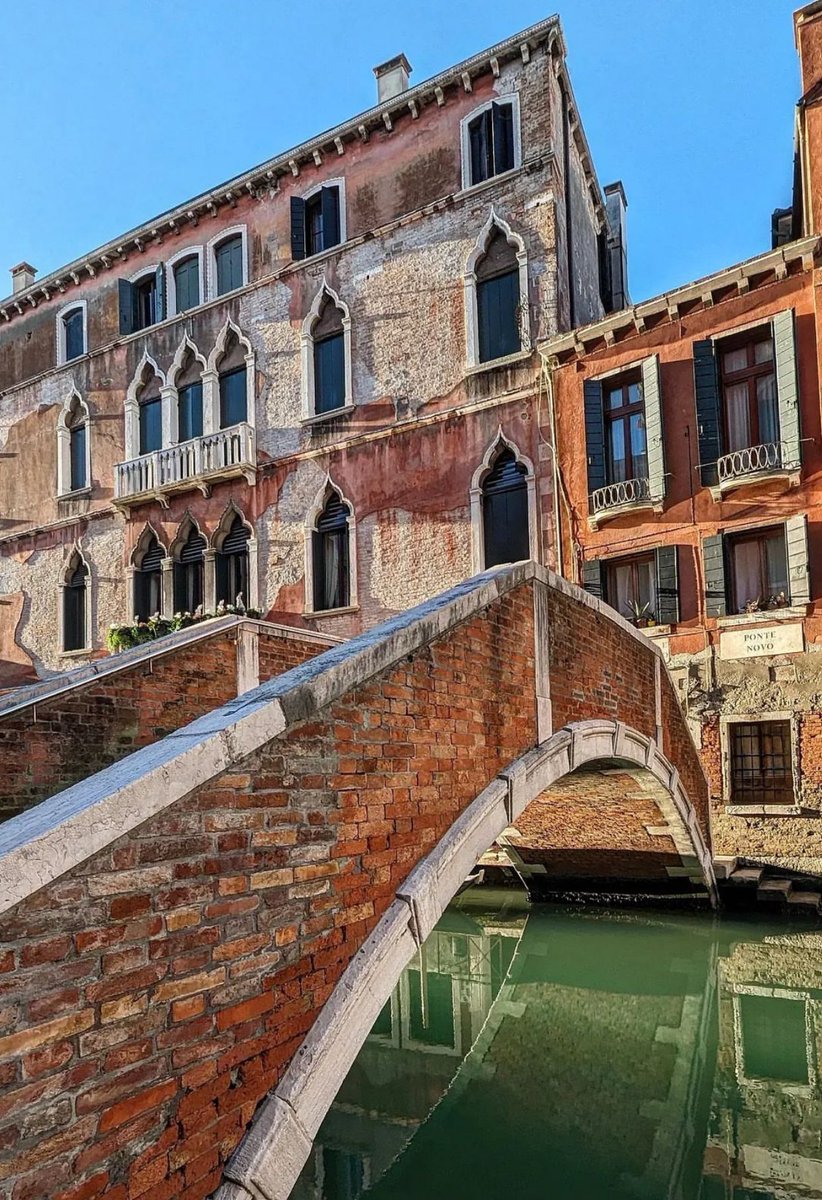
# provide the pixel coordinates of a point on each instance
(759, 718)
(60, 330)
(511, 98)
(477, 524)
(211, 379)
(171, 284)
(492, 222)
(327, 183)
(314, 515)
(89, 588)
(309, 404)
(170, 394)
(215, 545)
(64, 488)
(132, 406)
(211, 259)
(146, 533)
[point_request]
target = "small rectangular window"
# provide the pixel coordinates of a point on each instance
(151, 425)
(491, 142)
(758, 570)
(498, 316)
(748, 376)
(187, 283)
(316, 223)
(329, 374)
(229, 259)
(761, 766)
(145, 303)
(233, 398)
(630, 587)
(625, 436)
(74, 334)
(77, 447)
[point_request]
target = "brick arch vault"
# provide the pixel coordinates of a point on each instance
(196, 940)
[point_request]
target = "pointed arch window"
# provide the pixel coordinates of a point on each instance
(189, 571)
(505, 529)
(187, 283)
(331, 558)
(329, 359)
(498, 300)
(150, 416)
(232, 573)
(73, 460)
(75, 605)
(233, 384)
(189, 385)
(148, 581)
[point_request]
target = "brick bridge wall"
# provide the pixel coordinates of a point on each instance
(50, 741)
(153, 992)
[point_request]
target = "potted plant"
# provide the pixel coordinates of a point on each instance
(641, 614)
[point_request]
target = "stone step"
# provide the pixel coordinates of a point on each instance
(746, 876)
(771, 890)
(805, 900)
(724, 866)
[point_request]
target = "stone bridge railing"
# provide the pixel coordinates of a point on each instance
(174, 926)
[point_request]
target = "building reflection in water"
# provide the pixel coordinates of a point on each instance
(586, 1055)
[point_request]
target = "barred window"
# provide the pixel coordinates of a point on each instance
(761, 770)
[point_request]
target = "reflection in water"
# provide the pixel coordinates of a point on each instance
(584, 1055)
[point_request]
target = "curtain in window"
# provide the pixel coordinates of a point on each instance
(747, 567)
(331, 555)
(768, 407)
(738, 414)
(776, 565)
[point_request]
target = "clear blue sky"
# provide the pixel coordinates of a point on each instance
(115, 110)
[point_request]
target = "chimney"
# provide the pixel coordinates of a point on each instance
(392, 78)
(22, 277)
(616, 206)
(808, 36)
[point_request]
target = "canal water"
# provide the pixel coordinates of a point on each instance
(583, 1055)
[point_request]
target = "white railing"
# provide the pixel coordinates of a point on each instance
(750, 461)
(201, 458)
(615, 495)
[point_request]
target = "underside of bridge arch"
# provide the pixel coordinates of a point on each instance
(607, 829)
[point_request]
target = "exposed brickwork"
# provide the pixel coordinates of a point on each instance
(152, 996)
(48, 746)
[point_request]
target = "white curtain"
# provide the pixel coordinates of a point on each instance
(739, 423)
(331, 559)
(748, 584)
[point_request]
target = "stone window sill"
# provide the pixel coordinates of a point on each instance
(77, 494)
(655, 631)
(763, 810)
(331, 612)
(319, 418)
(792, 613)
(507, 360)
(622, 510)
(84, 652)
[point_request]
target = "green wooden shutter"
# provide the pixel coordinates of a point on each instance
(160, 296)
(652, 396)
(708, 417)
(127, 322)
(713, 559)
(297, 227)
(667, 585)
(796, 544)
(592, 577)
(594, 434)
(502, 122)
(330, 203)
(787, 390)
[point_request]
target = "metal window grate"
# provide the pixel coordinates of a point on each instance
(761, 771)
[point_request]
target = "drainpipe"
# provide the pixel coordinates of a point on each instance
(548, 379)
(569, 236)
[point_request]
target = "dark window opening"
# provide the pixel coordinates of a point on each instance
(315, 222)
(232, 565)
(73, 327)
(343, 1174)
(625, 434)
(77, 457)
(329, 373)
(229, 258)
(498, 300)
(233, 397)
(151, 425)
(331, 557)
(187, 283)
(774, 1038)
(148, 582)
(190, 412)
(188, 574)
(431, 1022)
(145, 303)
(505, 511)
(749, 399)
(491, 142)
(74, 609)
(758, 570)
(761, 768)
(630, 587)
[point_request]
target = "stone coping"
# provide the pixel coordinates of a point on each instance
(44, 842)
(66, 681)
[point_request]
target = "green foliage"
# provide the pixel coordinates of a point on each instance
(138, 633)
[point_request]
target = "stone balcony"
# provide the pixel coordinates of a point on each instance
(754, 464)
(617, 498)
(198, 463)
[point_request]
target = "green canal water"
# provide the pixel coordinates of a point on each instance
(583, 1055)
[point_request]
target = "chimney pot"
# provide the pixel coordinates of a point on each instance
(22, 277)
(392, 77)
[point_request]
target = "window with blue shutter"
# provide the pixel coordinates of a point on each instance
(74, 335)
(151, 425)
(708, 419)
(145, 302)
(188, 574)
(229, 264)
(74, 608)
(148, 582)
(77, 457)
(594, 434)
(190, 412)
(233, 397)
(316, 223)
(187, 283)
(713, 566)
(329, 373)
(787, 387)
(505, 511)
(330, 557)
(667, 585)
(232, 565)
(592, 577)
(498, 300)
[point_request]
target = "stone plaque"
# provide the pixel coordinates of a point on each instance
(756, 642)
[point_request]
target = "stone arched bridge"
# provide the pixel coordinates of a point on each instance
(196, 939)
